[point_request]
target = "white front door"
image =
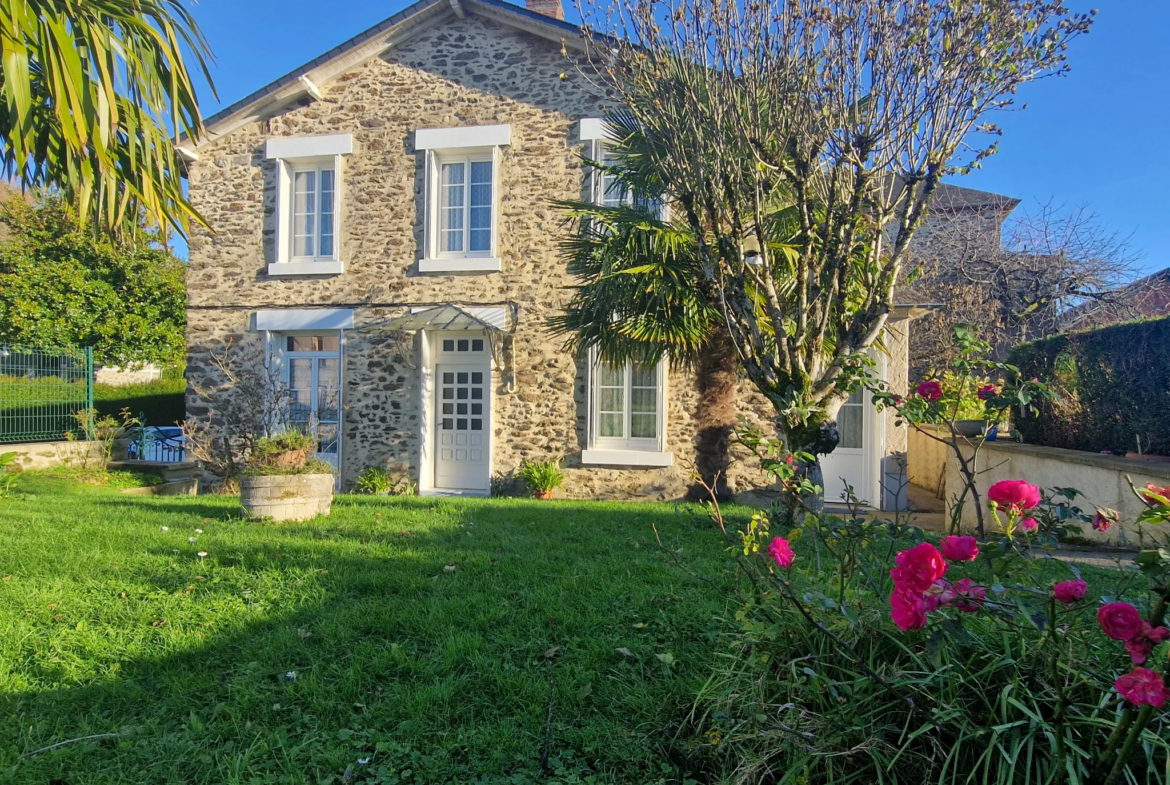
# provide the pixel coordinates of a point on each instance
(462, 425)
(851, 463)
(313, 366)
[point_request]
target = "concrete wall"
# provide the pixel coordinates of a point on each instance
(1101, 478)
(118, 376)
(46, 455)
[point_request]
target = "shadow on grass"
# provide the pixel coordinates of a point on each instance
(298, 649)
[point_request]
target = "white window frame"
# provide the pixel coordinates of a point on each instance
(316, 169)
(626, 451)
(441, 206)
(594, 134)
(466, 144)
(302, 154)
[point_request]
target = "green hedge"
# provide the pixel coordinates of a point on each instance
(162, 401)
(1113, 383)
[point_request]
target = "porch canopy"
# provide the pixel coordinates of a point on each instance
(446, 317)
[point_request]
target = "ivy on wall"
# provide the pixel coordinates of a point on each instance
(1113, 385)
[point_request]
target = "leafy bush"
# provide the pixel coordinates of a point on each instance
(541, 477)
(61, 285)
(288, 452)
(377, 480)
(864, 654)
(1113, 385)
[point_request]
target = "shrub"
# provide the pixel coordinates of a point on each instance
(288, 452)
(541, 477)
(377, 480)
(867, 656)
(1113, 385)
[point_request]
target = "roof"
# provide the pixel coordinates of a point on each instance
(368, 44)
(306, 79)
(957, 197)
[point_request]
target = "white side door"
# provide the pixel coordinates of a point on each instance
(850, 462)
(462, 426)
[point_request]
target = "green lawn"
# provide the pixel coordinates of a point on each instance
(407, 633)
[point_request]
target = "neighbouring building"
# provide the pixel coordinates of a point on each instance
(383, 231)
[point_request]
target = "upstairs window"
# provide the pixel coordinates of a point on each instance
(314, 191)
(465, 203)
(461, 197)
(308, 204)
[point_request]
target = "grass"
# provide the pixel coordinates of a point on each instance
(413, 634)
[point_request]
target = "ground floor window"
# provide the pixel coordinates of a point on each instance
(628, 406)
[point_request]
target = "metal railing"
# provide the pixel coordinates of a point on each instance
(40, 390)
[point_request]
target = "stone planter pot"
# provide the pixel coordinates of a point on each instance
(287, 497)
(969, 427)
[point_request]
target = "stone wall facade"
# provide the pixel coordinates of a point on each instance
(465, 72)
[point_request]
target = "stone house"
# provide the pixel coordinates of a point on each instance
(383, 233)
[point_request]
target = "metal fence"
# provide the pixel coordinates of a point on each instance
(40, 390)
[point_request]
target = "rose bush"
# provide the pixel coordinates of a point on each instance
(868, 654)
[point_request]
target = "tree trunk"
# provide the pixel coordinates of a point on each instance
(816, 440)
(718, 378)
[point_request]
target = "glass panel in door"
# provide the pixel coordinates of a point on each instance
(314, 399)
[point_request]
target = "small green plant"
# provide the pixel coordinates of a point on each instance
(288, 452)
(501, 486)
(7, 476)
(101, 430)
(541, 477)
(377, 481)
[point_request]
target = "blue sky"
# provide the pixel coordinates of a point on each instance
(1095, 138)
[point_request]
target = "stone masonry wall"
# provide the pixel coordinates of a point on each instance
(464, 72)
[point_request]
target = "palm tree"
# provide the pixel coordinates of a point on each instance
(92, 92)
(643, 293)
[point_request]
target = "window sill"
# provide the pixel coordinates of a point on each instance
(463, 264)
(627, 458)
(306, 268)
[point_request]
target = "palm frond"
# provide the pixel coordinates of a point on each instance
(91, 95)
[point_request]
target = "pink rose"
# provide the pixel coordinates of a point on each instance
(918, 567)
(1028, 525)
(1143, 687)
(931, 391)
(1016, 495)
(1120, 620)
(1069, 592)
(1141, 646)
(907, 609)
(987, 392)
(781, 552)
(960, 549)
(968, 596)
(1104, 519)
(940, 593)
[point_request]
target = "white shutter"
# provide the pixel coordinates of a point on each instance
(595, 178)
(337, 186)
(497, 157)
(430, 204)
(282, 240)
(590, 418)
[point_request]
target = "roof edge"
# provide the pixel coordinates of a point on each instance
(368, 44)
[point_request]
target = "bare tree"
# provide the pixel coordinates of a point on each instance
(803, 140)
(246, 400)
(1020, 282)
